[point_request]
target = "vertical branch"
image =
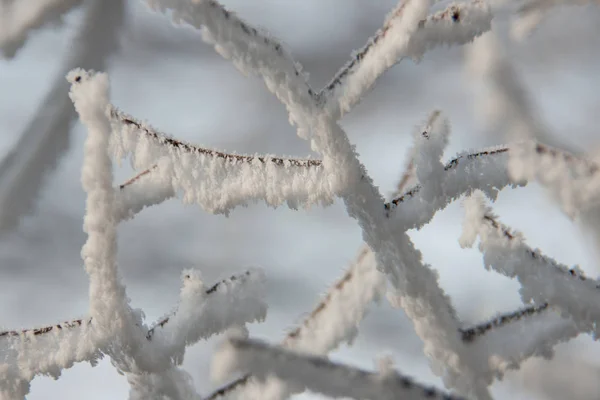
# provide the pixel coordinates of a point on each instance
(109, 305)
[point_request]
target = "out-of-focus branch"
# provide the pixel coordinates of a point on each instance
(141, 128)
(471, 334)
(317, 373)
(456, 25)
(46, 138)
(19, 18)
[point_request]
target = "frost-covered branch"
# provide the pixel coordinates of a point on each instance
(215, 180)
(575, 184)
(43, 351)
(485, 170)
(333, 321)
(202, 312)
(473, 333)
(316, 373)
(46, 137)
(18, 18)
(407, 32)
(109, 305)
(507, 340)
(417, 289)
(543, 280)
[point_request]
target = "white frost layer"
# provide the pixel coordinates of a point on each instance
(509, 345)
(542, 279)
(458, 24)
(249, 49)
(217, 183)
(484, 170)
(113, 318)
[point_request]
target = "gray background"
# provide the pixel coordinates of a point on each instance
(170, 78)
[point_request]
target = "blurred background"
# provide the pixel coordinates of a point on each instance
(168, 77)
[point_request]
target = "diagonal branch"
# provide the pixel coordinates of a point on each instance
(530, 14)
(317, 374)
(506, 341)
(543, 280)
(456, 25)
(249, 49)
(203, 312)
(19, 18)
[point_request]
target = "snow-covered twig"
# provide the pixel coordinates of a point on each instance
(216, 180)
(118, 329)
(575, 184)
(46, 137)
(317, 373)
(27, 353)
(203, 312)
(530, 14)
(543, 280)
(18, 18)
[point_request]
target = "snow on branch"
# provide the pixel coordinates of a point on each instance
(543, 280)
(44, 351)
(473, 333)
(407, 32)
(485, 170)
(203, 312)
(507, 340)
(381, 52)
(215, 180)
(575, 181)
(19, 18)
(173, 383)
(429, 148)
(316, 373)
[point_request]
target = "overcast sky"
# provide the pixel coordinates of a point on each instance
(170, 78)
